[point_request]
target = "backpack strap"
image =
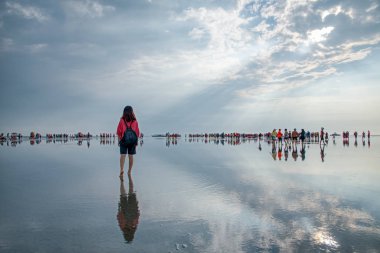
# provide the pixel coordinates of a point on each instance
(126, 124)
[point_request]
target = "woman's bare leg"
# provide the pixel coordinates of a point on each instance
(122, 161)
(130, 164)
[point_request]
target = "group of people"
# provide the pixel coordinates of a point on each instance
(302, 136)
(347, 135)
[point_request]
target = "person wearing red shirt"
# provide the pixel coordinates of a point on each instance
(279, 136)
(129, 119)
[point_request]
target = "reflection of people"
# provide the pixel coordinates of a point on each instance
(274, 152)
(279, 152)
(323, 153)
(128, 117)
(295, 153)
(303, 152)
(286, 152)
(128, 211)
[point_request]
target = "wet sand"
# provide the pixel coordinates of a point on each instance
(190, 197)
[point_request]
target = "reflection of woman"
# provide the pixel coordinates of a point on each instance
(128, 212)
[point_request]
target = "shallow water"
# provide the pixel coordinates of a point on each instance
(190, 197)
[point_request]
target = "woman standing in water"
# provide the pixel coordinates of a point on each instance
(128, 120)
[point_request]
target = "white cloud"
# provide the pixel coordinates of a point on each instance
(244, 47)
(372, 8)
(336, 11)
(89, 8)
(319, 35)
(224, 27)
(196, 33)
(28, 12)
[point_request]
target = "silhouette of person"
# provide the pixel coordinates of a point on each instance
(128, 211)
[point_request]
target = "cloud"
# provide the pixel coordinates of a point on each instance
(196, 33)
(319, 35)
(88, 8)
(336, 11)
(9, 45)
(28, 12)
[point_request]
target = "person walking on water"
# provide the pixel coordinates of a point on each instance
(286, 136)
(294, 136)
(128, 132)
(322, 136)
(302, 136)
(274, 135)
(279, 136)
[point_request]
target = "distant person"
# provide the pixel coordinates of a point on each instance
(274, 135)
(363, 135)
(322, 136)
(127, 131)
(294, 136)
(128, 211)
(369, 134)
(286, 136)
(302, 136)
(279, 136)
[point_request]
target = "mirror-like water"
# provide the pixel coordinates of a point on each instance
(190, 196)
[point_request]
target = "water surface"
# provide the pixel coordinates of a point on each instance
(190, 197)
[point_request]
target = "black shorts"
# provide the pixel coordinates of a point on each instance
(130, 150)
(294, 138)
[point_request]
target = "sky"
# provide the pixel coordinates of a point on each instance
(189, 66)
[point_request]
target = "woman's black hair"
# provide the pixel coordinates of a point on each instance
(128, 114)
